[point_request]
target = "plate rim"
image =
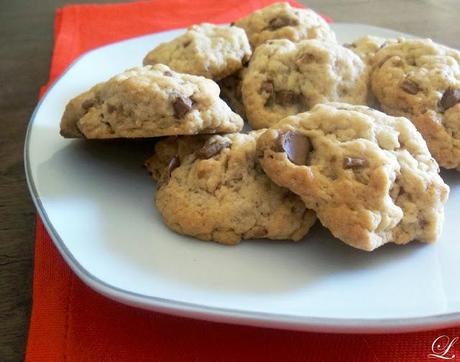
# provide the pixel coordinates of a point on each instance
(209, 313)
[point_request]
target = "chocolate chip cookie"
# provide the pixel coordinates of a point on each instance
(149, 101)
(213, 51)
(366, 46)
(214, 189)
(285, 78)
(420, 79)
(369, 176)
(281, 21)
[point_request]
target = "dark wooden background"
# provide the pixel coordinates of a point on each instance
(26, 40)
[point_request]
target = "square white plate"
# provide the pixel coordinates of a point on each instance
(97, 204)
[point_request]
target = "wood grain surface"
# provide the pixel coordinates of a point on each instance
(26, 40)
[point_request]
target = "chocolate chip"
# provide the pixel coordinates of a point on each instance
(282, 21)
(167, 73)
(297, 147)
(182, 106)
(245, 60)
(87, 104)
(450, 98)
(409, 86)
(186, 43)
(232, 24)
(212, 149)
(172, 165)
(267, 86)
(287, 98)
(354, 162)
(349, 45)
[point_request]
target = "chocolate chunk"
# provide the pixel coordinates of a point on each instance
(182, 106)
(287, 98)
(167, 73)
(172, 165)
(232, 24)
(267, 86)
(297, 147)
(354, 162)
(186, 43)
(281, 22)
(245, 60)
(212, 149)
(450, 98)
(282, 97)
(87, 104)
(410, 86)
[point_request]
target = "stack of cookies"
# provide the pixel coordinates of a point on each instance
(350, 134)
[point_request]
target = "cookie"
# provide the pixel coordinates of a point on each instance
(230, 92)
(366, 46)
(219, 192)
(369, 176)
(212, 51)
(285, 78)
(420, 79)
(149, 101)
(169, 152)
(281, 21)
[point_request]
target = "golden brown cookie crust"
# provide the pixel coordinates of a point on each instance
(149, 101)
(285, 78)
(222, 194)
(366, 46)
(369, 176)
(420, 79)
(212, 51)
(281, 21)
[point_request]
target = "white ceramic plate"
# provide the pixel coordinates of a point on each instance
(97, 204)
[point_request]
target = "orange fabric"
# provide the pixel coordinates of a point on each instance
(70, 322)
(79, 28)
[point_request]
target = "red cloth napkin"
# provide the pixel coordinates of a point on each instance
(70, 322)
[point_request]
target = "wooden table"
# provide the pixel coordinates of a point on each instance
(26, 40)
